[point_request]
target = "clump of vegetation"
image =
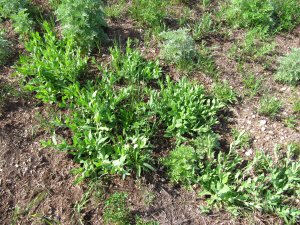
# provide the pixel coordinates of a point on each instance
(115, 10)
(18, 12)
(179, 48)
(184, 109)
(276, 15)
(149, 12)
(227, 181)
(289, 68)
(256, 45)
(82, 20)
(182, 163)
(269, 106)
(224, 92)
(252, 84)
(4, 48)
(115, 209)
(204, 27)
(52, 65)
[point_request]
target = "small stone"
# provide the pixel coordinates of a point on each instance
(249, 152)
(262, 122)
(263, 128)
(253, 116)
(283, 89)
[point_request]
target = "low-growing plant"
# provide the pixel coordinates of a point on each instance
(184, 109)
(140, 221)
(182, 165)
(269, 106)
(291, 121)
(228, 181)
(17, 11)
(10, 7)
(204, 27)
(51, 66)
(296, 106)
(276, 15)
(22, 22)
(224, 92)
(149, 12)
(178, 48)
(4, 48)
(289, 68)
(115, 10)
(252, 84)
(241, 139)
(115, 209)
(82, 20)
(255, 45)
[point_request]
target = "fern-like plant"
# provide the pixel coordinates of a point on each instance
(82, 20)
(289, 68)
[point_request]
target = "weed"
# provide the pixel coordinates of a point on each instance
(255, 45)
(241, 139)
(22, 23)
(296, 106)
(51, 66)
(289, 68)
(224, 92)
(275, 15)
(82, 20)
(140, 221)
(252, 84)
(227, 181)
(115, 10)
(291, 121)
(269, 106)
(182, 165)
(18, 12)
(10, 7)
(179, 48)
(4, 48)
(116, 211)
(184, 109)
(149, 12)
(204, 27)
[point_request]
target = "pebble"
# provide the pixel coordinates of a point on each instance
(263, 128)
(262, 122)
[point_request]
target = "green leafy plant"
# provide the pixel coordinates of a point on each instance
(289, 68)
(227, 181)
(182, 165)
(296, 106)
(291, 121)
(52, 65)
(22, 22)
(178, 48)
(224, 92)
(269, 106)
(204, 27)
(4, 48)
(184, 108)
(115, 10)
(276, 15)
(111, 117)
(82, 20)
(149, 12)
(241, 139)
(256, 45)
(18, 12)
(115, 210)
(252, 84)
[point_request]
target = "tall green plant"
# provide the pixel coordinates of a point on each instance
(82, 20)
